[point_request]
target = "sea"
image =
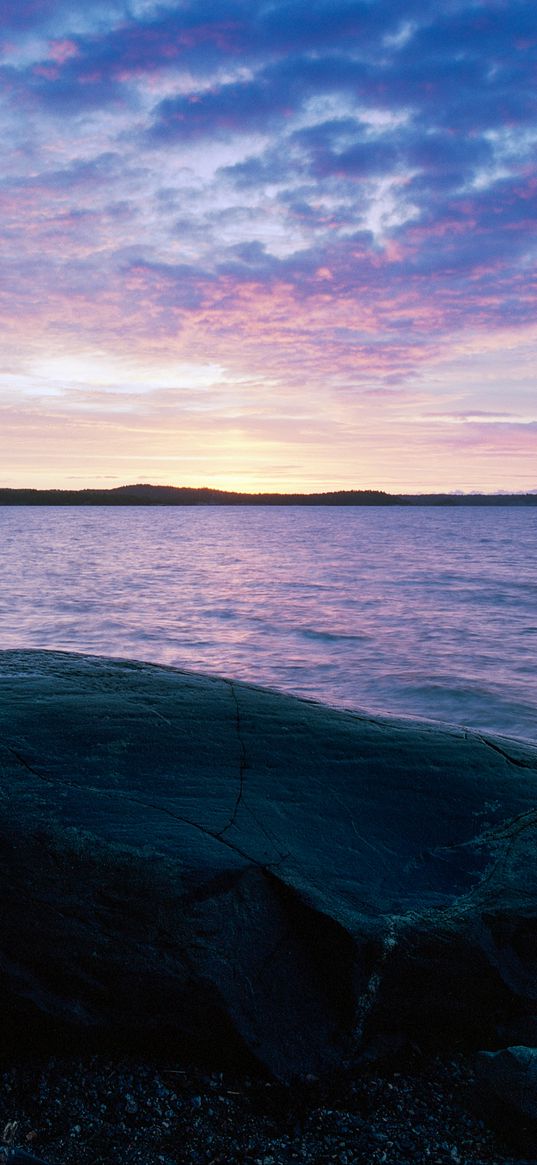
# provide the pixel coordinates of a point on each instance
(426, 612)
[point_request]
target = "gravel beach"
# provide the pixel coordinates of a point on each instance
(88, 1111)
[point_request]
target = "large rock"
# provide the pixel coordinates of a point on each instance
(183, 854)
(506, 1095)
(509, 1076)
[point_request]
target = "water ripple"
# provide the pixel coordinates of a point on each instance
(426, 611)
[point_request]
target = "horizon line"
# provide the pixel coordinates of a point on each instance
(268, 493)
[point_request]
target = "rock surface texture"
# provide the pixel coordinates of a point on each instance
(510, 1077)
(189, 856)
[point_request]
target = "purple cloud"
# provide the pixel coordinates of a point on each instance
(358, 174)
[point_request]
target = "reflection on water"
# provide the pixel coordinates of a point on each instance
(427, 612)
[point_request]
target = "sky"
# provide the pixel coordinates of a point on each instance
(269, 246)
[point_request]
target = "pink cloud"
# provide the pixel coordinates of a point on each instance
(63, 50)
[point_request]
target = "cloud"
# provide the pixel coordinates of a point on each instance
(323, 195)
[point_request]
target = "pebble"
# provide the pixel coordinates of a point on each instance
(95, 1110)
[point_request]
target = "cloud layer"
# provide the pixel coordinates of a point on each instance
(329, 205)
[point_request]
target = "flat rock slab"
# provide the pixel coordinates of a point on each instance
(182, 854)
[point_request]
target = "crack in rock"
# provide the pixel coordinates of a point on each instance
(512, 760)
(243, 762)
(273, 840)
(216, 836)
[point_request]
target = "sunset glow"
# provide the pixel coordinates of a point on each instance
(269, 247)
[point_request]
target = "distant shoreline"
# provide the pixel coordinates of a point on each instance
(162, 495)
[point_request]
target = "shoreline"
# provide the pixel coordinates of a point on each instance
(157, 495)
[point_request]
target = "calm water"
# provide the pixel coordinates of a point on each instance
(427, 612)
